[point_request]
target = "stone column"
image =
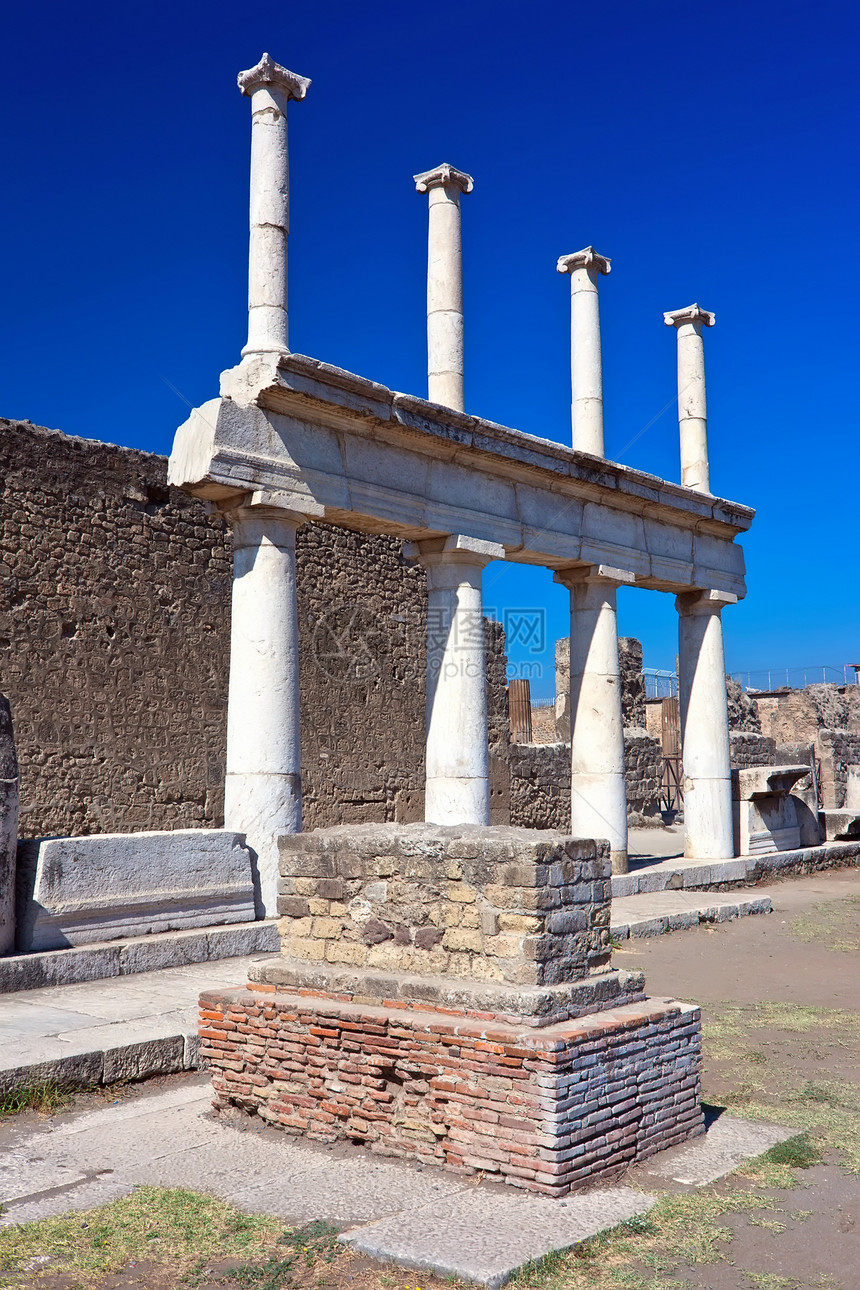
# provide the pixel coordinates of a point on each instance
(692, 405)
(705, 743)
(598, 785)
(269, 87)
(263, 788)
(586, 363)
(458, 761)
(445, 284)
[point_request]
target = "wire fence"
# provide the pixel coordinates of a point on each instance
(663, 684)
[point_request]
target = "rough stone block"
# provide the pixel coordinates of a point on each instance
(78, 891)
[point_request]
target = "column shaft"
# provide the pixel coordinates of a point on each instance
(263, 789)
(706, 748)
(598, 784)
(445, 299)
(692, 408)
(586, 362)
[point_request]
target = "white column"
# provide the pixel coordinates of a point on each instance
(706, 750)
(586, 362)
(263, 788)
(445, 284)
(458, 763)
(598, 783)
(269, 87)
(692, 404)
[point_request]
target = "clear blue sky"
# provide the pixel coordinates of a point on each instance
(709, 149)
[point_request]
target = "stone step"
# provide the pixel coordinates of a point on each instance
(653, 913)
(136, 954)
(98, 1032)
(677, 874)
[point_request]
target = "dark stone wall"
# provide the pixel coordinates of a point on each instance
(115, 639)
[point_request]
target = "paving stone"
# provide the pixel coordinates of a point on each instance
(728, 1143)
(653, 913)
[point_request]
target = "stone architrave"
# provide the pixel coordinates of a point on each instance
(270, 88)
(444, 185)
(80, 891)
(598, 784)
(8, 826)
(586, 361)
(692, 403)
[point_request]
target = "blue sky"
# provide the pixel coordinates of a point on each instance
(710, 150)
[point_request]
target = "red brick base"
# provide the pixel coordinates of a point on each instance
(547, 1109)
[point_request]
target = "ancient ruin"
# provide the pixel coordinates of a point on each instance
(437, 877)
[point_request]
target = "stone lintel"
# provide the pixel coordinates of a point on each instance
(268, 72)
(587, 258)
(693, 313)
(444, 176)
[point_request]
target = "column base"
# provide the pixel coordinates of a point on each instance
(548, 1109)
(619, 861)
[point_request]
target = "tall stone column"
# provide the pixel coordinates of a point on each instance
(458, 761)
(598, 785)
(445, 284)
(692, 404)
(269, 87)
(263, 788)
(586, 362)
(705, 745)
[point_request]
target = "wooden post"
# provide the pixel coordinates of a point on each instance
(520, 711)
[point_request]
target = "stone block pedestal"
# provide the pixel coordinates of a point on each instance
(548, 1109)
(446, 995)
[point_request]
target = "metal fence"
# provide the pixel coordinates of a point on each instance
(659, 684)
(796, 678)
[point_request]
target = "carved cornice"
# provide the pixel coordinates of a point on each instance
(693, 313)
(268, 72)
(587, 258)
(444, 176)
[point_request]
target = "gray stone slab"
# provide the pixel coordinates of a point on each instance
(485, 1235)
(653, 913)
(79, 891)
(728, 1143)
(20, 1020)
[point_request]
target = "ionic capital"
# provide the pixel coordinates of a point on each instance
(692, 314)
(444, 176)
(594, 573)
(587, 258)
(268, 72)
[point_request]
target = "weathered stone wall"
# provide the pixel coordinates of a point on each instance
(8, 826)
(540, 786)
(540, 781)
(796, 716)
(643, 761)
(743, 711)
(837, 750)
(496, 905)
(632, 682)
(114, 650)
(750, 749)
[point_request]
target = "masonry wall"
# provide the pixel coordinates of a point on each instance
(114, 651)
(540, 781)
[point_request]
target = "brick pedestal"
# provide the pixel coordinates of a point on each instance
(547, 1109)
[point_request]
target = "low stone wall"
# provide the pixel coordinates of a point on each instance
(643, 762)
(548, 1110)
(751, 749)
(540, 781)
